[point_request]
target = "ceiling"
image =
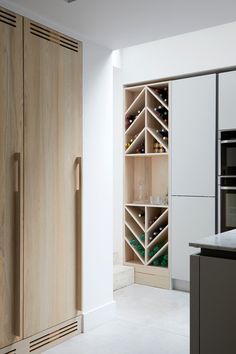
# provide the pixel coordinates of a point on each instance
(122, 23)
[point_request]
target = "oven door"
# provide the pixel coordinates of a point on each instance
(228, 153)
(228, 158)
(227, 208)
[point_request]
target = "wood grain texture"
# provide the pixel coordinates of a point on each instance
(11, 142)
(53, 141)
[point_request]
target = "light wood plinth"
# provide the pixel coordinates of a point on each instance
(151, 276)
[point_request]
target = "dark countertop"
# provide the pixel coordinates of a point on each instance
(225, 241)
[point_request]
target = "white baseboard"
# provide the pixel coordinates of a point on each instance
(181, 285)
(98, 316)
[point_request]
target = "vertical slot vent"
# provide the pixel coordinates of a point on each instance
(53, 336)
(7, 17)
(52, 36)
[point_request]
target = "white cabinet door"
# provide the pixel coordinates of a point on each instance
(227, 98)
(191, 219)
(194, 136)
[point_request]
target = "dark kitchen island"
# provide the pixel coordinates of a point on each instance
(213, 295)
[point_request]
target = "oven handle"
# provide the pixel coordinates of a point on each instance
(228, 188)
(219, 210)
(228, 141)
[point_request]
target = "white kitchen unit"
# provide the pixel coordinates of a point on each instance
(193, 130)
(192, 219)
(227, 107)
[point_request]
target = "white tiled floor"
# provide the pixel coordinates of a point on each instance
(148, 321)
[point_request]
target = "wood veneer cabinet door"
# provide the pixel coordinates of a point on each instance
(52, 146)
(11, 157)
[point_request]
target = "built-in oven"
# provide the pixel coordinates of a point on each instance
(227, 203)
(227, 181)
(227, 151)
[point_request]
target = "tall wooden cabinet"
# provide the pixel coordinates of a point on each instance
(40, 192)
(11, 155)
(52, 144)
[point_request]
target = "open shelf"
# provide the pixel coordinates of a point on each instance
(131, 95)
(131, 255)
(157, 130)
(137, 105)
(159, 111)
(136, 246)
(134, 227)
(155, 142)
(145, 178)
(156, 235)
(137, 125)
(138, 214)
(163, 251)
(137, 145)
(160, 92)
(147, 154)
(149, 205)
(156, 217)
(146, 181)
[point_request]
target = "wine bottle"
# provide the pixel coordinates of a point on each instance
(156, 249)
(162, 93)
(151, 221)
(161, 111)
(156, 262)
(151, 254)
(156, 147)
(133, 242)
(155, 233)
(142, 237)
(141, 214)
(163, 133)
(129, 120)
(165, 120)
(158, 108)
(150, 238)
(164, 261)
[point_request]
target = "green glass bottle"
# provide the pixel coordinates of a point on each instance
(142, 237)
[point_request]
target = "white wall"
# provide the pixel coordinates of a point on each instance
(184, 54)
(189, 53)
(117, 156)
(98, 180)
(98, 305)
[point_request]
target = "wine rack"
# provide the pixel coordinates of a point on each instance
(146, 157)
(153, 238)
(146, 120)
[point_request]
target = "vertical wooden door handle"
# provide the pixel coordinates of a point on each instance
(17, 171)
(18, 271)
(78, 159)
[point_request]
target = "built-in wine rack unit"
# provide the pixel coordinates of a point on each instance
(146, 161)
(146, 120)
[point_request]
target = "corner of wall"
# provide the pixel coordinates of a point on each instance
(98, 316)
